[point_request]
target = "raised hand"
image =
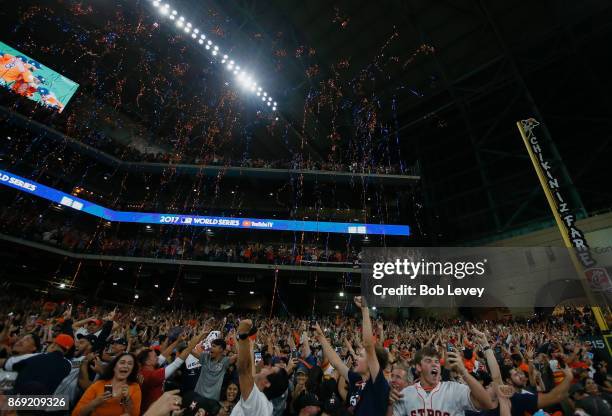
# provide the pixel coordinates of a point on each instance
(359, 301)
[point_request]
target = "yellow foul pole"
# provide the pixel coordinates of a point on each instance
(563, 229)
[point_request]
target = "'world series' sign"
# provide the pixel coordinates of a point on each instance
(575, 234)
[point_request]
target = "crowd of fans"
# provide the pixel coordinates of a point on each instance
(169, 245)
(24, 131)
(116, 362)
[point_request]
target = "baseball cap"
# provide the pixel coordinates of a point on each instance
(305, 400)
(65, 341)
(302, 370)
(193, 402)
(121, 341)
(89, 337)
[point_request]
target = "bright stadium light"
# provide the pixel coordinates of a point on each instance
(243, 79)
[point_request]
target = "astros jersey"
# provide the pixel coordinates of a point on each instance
(448, 398)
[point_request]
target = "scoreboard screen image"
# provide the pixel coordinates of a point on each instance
(29, 78)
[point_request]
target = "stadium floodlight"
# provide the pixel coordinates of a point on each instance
(251, 292)
(136, 296)
(263, 98)
(168, 298)
(269, 98)
(337, 307)
(274, 109)
(341, 294)
(114, 283)
(243, 79)
(62, 285)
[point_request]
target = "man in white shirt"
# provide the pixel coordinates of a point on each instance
(430, 396)
(256, 391)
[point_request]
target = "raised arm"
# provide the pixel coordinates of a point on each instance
(557, 394)
(492, 363)
(82, 322)
(168, 351)
(330, 353)
(478, 394)
(368, 338)
(244, 364)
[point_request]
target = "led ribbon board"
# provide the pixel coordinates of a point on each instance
(67, 200)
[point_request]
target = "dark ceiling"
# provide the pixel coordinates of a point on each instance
(438, 82)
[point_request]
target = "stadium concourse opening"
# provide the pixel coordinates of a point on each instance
(204, 207)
